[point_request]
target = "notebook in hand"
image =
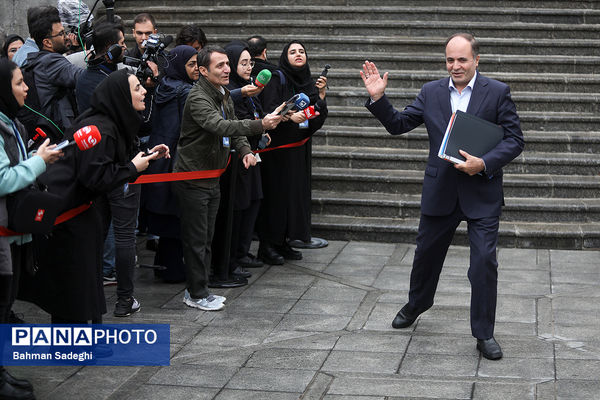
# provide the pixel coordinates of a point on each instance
(472, 134)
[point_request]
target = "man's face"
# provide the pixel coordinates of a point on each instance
(121, 43)
(218, 70)
(141, 32)
(57, 41)
(460, 62)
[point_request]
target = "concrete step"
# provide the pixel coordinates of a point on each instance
(416, 45)
(525, 101)
(518, 82)
(536, 141)
(541, 4)
(416, 159)
(545, 121)
(334, 27)
(410, 182)
(434, 62)
(398, 205)
(511, 234)
(398, 12)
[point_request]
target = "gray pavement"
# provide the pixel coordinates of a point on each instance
(320, 328)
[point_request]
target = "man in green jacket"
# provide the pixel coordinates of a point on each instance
(209, 129)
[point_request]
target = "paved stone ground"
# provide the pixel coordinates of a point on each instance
(320, 328)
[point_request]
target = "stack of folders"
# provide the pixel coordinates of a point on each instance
(469, 133)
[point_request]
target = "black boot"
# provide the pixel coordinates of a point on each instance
(268, 255)
(20, 383)
(287, 252)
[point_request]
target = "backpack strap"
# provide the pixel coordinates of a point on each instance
(281, 77)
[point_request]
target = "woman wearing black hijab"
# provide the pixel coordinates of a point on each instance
(160, 204)
(11, 45)
(285, 208)
(68, 284)
(17, 171)
(248, 185)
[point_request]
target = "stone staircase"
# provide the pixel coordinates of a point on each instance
(367, 183)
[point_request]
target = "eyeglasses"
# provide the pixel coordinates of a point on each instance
(245, 64)
(192, 64)
(61, 33)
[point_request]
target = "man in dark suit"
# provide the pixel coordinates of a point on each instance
(471, 190)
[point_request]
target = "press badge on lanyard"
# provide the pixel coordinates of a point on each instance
(226, 142)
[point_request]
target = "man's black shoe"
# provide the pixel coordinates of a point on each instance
(10, 392)
(288, 253)
(239, 271)
(268, 255)
(404, 318)
(19, 383)
(249, 261)
(489, 348)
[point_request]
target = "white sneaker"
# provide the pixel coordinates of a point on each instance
(219, 298)
(210, 303)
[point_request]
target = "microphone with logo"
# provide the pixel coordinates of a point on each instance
(38, 138)
(85, 138)
(263, 78)
(299, 101)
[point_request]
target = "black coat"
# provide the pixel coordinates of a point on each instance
(160, 202)
(285, 208)
(69, 281)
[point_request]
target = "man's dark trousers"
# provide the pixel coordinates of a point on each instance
(434, 238)
(199, 208)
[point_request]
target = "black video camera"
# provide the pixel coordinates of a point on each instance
(154, 47)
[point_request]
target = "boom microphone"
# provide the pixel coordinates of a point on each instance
(85, 138)
(263, 78)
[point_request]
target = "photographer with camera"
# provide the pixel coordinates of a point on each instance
(144, 25)
(109, 45)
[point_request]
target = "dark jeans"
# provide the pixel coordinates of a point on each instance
(199, 208)
(121, 206)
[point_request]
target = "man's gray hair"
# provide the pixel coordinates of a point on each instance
(470, 38)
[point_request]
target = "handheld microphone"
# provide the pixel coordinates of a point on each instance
(300, 101)
(39, 137)
(263, 78)
(310, 112)
(85, 138)
(325, 70)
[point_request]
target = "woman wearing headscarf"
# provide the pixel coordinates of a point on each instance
(248, 184)
(11, 45)
(17, 171)
(68, 284)
(161, 205)
(285, 208)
